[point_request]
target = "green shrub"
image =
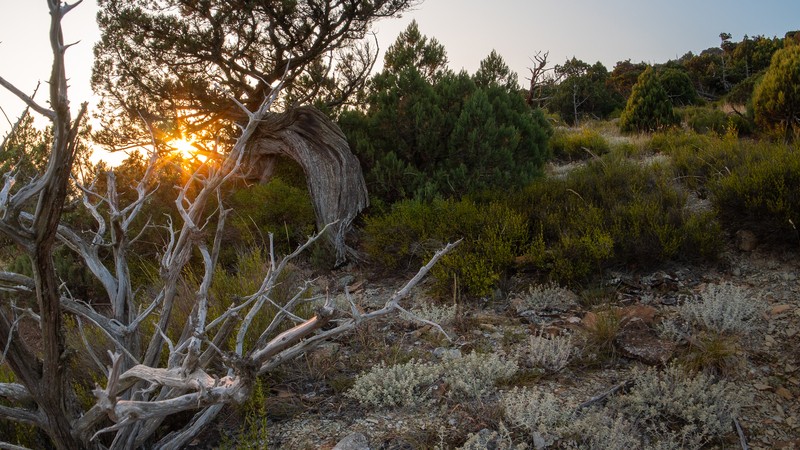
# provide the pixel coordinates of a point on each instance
(275, 207)
(612, 211)
(493, 235)
(753, 184)
(571, 145)
(706, 120)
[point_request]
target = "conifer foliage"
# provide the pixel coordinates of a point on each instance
(429, 132)
(649, 107)
(776, 100)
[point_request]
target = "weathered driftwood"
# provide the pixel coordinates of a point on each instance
(333, 173)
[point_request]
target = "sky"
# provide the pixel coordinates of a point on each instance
(608, 31)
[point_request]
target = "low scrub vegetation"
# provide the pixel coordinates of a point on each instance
(584, 143)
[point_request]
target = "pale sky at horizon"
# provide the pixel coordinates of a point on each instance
(607, 31)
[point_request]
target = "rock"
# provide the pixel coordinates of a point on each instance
(354, 441)
(746, 240)
(446, 353)
(785, 393)
(640, 343)
(779, 309)
(645, 314)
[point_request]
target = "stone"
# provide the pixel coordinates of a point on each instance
(746, 240)
(640, 343)
(354, 441)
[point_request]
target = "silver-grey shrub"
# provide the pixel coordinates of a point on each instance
(676, 406)
(723, 308)
(406, 384)
(411, 384)
(538, 413)
(550, 354)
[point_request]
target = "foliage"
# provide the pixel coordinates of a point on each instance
(275, 207)
(703, 119)
(649, 107)
(776, 99)
(540, 414)
(673, 405)
(723, 308)
(551, 354)
(623, 77)
(572, 145)
(583, 92)
(612, 210)
(411, 384)
(160, 59)
(493, 235)
(428, 132)
(750, 182)
(678, 86)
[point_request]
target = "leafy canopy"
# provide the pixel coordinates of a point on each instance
(177, 62)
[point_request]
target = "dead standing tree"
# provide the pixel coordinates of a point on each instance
(198, 373)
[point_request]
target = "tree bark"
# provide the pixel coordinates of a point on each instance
(333, 173)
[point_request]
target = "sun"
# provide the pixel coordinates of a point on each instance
(186, 148)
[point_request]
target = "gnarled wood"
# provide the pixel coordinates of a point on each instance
(333, 172)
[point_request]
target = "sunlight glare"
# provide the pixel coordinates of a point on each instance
(187, 149)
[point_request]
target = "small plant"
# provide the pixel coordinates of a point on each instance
(486, 439)
(723, 308)
(438, 314)
(602, 429)
(475, 374)
(713, 352)
(676, 406)
(600, 330)
(406, 384)
(541, 415)
(546, 297)
(550, 354)
(412, 383)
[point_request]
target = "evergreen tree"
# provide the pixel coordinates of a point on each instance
(679, 87)
(583, 92)
(649, 107)
(776, 99)
(429, 132)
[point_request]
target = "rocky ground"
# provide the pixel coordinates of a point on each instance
(307, 409)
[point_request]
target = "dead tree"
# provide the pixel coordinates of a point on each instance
(150, 375)
(539, 79)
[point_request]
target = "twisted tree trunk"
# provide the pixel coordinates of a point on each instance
(333, 173)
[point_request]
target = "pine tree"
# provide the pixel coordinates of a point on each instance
(776, 100)
(649, 107)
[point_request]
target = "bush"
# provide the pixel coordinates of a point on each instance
(411, 384)
(612, 210)
(776, 98)
(276, 207)
(676, 407)
(723, 308)
(752, 184)
(551, 354)
(649, 107)
(572, 145)
(424, 135)
(706, 120)
(492, 236)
